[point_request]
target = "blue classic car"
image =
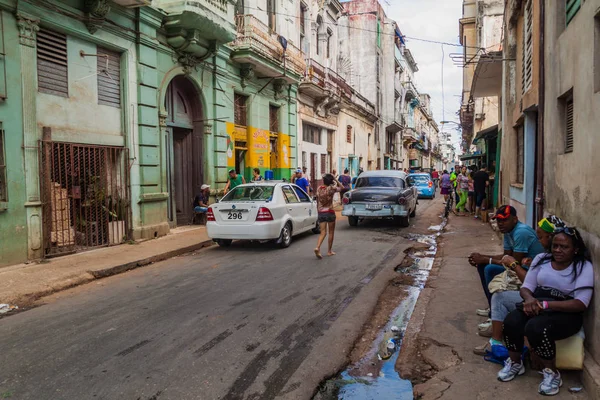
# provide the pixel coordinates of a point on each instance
(423, 183)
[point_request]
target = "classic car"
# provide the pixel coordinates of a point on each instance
(381, 194)
(423, 183)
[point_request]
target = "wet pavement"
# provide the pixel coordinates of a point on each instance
(374, 376)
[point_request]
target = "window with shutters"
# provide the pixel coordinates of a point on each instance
(324, 163)
(572, 7)
(569, 124)
(311, 133)
(109, 77)
(3, 93)
(273, 118)
(303, 9)
(52, 65)
(349, 134)
(527, 78)
(520, 154)
(240, 109)
(3, 185)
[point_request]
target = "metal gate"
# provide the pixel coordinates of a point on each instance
(85, 196)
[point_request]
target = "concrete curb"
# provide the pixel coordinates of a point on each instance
(119, 269)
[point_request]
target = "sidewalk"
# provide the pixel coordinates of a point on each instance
(24, 283)
(437, 351)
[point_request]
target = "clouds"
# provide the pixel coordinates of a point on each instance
(434, 20)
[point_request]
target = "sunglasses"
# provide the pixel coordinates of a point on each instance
(571, 231)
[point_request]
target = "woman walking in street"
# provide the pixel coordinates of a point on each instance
(326, 213)
(471, 194)
(462, 186)
(445, 185)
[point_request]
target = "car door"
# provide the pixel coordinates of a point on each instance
(309, 210)
(294, 207)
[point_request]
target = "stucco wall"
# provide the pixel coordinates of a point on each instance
(569, 189)
(13, 219)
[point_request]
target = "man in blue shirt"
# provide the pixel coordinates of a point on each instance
(520, 241)
(302, 181)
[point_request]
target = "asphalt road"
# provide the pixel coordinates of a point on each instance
(248, 322)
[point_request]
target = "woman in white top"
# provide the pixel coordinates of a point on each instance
(557, 290)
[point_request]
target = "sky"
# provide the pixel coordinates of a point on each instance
(433, 20)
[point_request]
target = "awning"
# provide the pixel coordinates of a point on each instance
(487, 80)
(465, 157)
(487, 133)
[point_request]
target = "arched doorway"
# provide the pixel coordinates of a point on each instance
(185, 172)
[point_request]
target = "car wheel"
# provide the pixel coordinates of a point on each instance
(317, 229)
(404, 221)
(353, 221)
(285, 238)
(414, 212)
(224, 242)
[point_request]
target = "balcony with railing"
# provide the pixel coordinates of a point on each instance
(398, 55)
(193, 25)
(319, 81)
(411, 90)
(259, 46)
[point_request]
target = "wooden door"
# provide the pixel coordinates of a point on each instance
(182, 174)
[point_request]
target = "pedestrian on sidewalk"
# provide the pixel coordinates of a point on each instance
(326, 213)
(463, 190)
(435, 176)
(556, 292)
(481, 180)
(345, 180)
(256, 176)
(520, 241)
(302, 181)
(234, 180)
(471, 194)
(504, 297)
(201, 199)
(445, 185)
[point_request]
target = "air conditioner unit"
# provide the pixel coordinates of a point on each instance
(133, 3)
(480, 116)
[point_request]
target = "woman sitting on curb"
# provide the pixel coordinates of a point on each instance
(557, 290)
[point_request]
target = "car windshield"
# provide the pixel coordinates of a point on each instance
(419, 179)
(379, 181)
(250, 193)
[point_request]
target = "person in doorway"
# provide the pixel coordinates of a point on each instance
(520, 241)
(481, 181)
(326, 213)
(302, 181)
(435, 176)
(557, 290)
(504, 302)
(462, 187)
(256, 176)
(445, 185)
(234, 180)
(201, 199)
(346, 181)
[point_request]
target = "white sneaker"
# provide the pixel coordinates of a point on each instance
(483, 312)
(551, 383)
(510, 371)
(484, 325)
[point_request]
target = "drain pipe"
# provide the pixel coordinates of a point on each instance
(539, 165)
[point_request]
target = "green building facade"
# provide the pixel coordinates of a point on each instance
(113, 117)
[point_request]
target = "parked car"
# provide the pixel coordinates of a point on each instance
(423, 183)
(262, 211)
(381, 194)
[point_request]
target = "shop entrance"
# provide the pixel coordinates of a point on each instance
(185, 167)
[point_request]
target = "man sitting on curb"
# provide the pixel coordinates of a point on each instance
(520, 241)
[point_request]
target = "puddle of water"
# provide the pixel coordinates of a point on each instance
(374, 377)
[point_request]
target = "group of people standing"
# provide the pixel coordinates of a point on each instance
(469, 187)
(537, 289)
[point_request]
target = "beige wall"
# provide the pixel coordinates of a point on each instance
(569, 179)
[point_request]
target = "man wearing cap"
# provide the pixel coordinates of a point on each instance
(520, 241)
(201, 199)
(234, 180)
(302, 181)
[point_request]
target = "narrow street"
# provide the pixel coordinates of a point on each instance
(247, 322)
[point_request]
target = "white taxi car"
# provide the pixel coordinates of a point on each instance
(268, 210)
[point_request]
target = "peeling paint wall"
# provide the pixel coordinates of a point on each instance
(569, 178)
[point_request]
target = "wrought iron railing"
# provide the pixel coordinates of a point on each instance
(255, 35)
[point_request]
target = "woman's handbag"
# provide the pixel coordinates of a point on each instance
(505, 281)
